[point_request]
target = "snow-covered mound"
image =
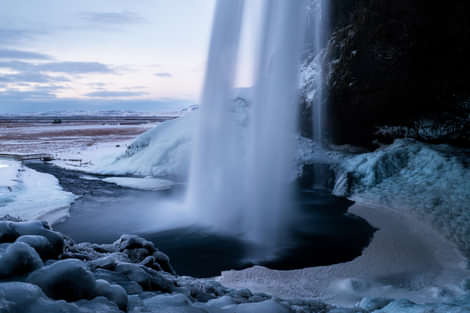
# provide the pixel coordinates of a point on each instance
(146, 183)
(163, 151)
(432, 181)
(22, 193)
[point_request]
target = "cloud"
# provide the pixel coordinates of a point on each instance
(115, 94)
(58, 67)
(32, 77)
(75, 67)
(22, 55)
(18, 96)
(10, 36)
(164, 75)
(113, 18)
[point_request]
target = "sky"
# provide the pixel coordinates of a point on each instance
(145, 55)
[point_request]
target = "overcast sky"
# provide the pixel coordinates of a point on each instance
(102, 54)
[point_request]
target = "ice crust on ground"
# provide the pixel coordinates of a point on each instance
(22, 193)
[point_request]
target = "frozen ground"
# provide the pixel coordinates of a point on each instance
(29, 195)
(38, 136)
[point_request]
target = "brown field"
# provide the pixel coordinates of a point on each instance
(30, 135)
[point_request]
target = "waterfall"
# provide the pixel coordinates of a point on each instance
(239, 174)
(214, 182)
(319, 20)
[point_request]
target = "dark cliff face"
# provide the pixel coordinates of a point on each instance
(393, 62)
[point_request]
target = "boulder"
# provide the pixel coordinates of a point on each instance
(147, 278)
(41, 244)
(114, 293)
(68, 280)
(19, 259)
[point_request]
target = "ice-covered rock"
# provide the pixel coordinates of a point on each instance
(67, 279)
(114, 293)
(18, 297)
(372, 304)
(122, 280)
(19, 259)
(147, 278)
(41, 244)
(268, 306)
(42, 229)
(139, 250)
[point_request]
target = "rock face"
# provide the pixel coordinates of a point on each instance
(393, 62)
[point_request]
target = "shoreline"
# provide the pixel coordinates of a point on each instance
(405, 259)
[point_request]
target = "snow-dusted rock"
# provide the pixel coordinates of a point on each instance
(114, 293)
(177, 303)
(68, 280)
(372, 304)
(109, 262)
(139, 250)
(97, 305)
(41, 244)
(19, 259)
(268, 306)
(7, 232)
(18, 297)
(147, 278)
(41, 228)
(131, 287)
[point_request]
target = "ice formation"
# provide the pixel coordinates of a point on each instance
(432, 181)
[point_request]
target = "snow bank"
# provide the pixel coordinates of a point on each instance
(163, 151)
(146, 183)
(432, 181)
(23, 190)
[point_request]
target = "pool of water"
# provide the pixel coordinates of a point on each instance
(322, 233)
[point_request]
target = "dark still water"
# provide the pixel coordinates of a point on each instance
(323, 233)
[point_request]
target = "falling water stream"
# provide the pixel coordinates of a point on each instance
(240, 177)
